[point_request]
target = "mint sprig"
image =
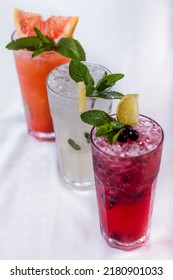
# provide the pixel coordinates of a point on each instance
(29, 43)
(67, 47)
(108, 127)
(79, 72)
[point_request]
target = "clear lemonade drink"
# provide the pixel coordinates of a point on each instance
(125, 178)
(75, 160)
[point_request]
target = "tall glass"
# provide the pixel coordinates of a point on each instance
(125, 178)
(32, 73)
(75, 162)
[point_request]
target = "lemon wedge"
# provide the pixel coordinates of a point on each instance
(128, 110)
(81, 91)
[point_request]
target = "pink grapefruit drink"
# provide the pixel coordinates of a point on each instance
(125, 178)
(32, 73)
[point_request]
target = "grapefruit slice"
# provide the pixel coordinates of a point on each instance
(55, 26)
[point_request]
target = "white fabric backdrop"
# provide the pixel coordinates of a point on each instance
(39, 217)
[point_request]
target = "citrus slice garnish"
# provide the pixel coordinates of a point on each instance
(127, 110)
(54, 27)
(81, 92)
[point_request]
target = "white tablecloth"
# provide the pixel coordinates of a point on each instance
(40, 218)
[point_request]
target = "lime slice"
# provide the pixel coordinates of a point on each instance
(81, 91)
(127, 110)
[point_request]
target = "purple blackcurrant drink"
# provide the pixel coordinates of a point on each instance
(125, 178)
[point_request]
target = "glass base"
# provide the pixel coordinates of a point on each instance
(80, 186)
(41, 136)
(125, 246)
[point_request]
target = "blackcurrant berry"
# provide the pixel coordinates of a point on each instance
(122, 137)
(133, 135)
(127, 128)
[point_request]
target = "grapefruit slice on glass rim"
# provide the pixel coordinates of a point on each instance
(54, 27)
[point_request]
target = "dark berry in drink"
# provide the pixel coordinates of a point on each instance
(127, 128)
(133, 135)
(122, 137)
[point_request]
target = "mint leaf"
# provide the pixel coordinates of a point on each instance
(113, 126)
(79, 72)
(103, 129)
(74, 145)
(71, 48)
(40, 50)
(29, 43)
(107, 94)
(45, 39)
(108, 81)
(109, 136)
(116, 125)
(115, 136)
(87, 136)
(96, 117)
(101, 80)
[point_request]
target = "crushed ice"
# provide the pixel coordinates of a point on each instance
(150, 135)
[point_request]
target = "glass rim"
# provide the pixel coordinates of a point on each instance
(125, 157)
(54, 92)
